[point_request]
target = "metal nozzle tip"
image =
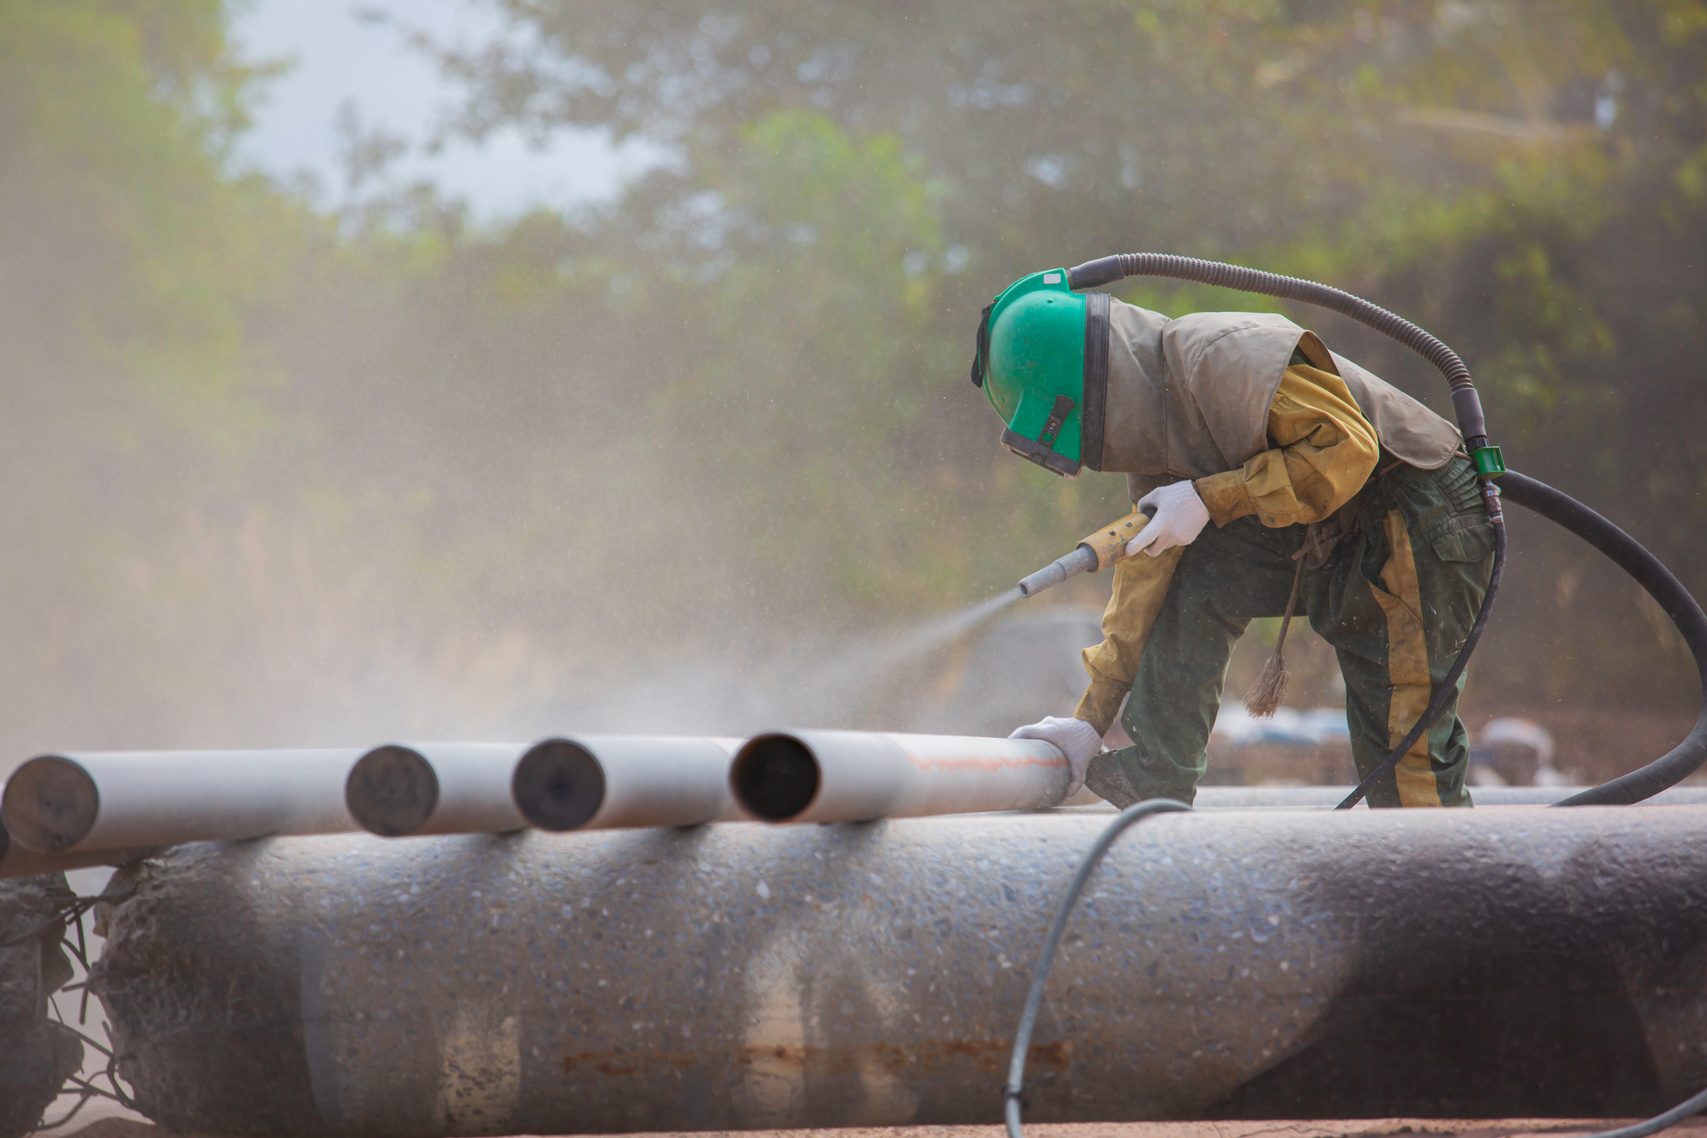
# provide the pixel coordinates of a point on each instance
(1081, 560)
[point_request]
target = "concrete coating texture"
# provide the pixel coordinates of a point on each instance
(1493, 963)
(1265, 1128)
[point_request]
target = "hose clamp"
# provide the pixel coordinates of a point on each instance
(1490, 463)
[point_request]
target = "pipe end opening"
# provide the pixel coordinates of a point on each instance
(50, 804)
(392, 791)
(558, 785)
(775, 777)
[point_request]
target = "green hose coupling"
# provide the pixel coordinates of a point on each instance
(1490, 463)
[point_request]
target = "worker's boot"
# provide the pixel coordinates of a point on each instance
(1107, 781)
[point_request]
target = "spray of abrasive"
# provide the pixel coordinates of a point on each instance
(1101, 549)
(1105, 547)
(948, 627)
(837, 683)
(854, 666)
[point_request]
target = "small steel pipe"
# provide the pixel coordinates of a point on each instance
(108, 800)
(608, 782)
(400, 791)
(590, 782)
(856, 776)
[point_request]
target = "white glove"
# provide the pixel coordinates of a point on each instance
(1180, 517)
(1074, 738)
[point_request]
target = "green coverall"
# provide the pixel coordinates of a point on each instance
(1395, 597)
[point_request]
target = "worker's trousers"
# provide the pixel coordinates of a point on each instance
(1396, 598)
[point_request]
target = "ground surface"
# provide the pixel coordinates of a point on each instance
(1366, 1128)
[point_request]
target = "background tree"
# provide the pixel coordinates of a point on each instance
(275, 475)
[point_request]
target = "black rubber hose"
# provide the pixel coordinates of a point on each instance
(1687, 757)
(1628, 554)
(1465, 402)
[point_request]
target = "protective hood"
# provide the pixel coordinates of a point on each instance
(1041, 358)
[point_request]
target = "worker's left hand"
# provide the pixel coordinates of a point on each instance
(1180, 516)
(1074, 738)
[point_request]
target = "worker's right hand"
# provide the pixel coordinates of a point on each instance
(1075, 738)
(1179, 517)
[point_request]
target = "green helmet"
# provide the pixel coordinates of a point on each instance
(1033, 364)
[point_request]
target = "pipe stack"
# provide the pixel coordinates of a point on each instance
(64, 811)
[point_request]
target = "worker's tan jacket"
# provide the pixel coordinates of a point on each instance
(1216, 397)
(1189, 398)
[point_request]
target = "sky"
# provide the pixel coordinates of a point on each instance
(338, 58)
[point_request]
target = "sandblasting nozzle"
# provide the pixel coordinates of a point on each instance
(1081, 560)
(1098, 551)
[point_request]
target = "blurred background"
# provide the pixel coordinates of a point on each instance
(486, 369)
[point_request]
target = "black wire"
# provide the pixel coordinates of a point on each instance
(66, 915)
(1034, 998)
(62, 915)
(1668, 592)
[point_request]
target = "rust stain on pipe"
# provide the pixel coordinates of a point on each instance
(926, 1056)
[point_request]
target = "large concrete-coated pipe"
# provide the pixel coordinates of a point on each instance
(1487, 963)
(856, 776)
(610, 782)
(106, 800)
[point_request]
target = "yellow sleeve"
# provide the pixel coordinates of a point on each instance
(1324, 451)
(1140, 584)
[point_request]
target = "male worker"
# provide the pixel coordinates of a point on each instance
(1331, 493)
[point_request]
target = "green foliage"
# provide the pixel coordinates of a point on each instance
(291, 465)
(113, 119)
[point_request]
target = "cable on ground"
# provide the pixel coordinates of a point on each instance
(1034, 998)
